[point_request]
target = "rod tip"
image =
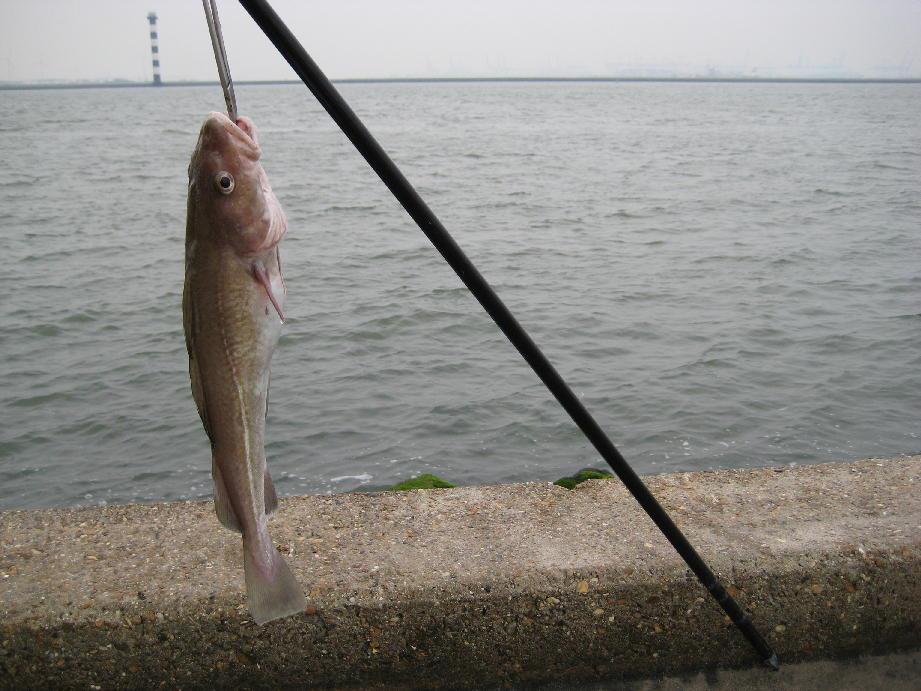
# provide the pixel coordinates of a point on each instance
(773, 662)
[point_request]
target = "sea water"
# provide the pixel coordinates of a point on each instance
(728, 275)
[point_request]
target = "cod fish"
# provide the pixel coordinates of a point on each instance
(232, 315)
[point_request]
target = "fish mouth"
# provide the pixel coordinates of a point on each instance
(242, 133)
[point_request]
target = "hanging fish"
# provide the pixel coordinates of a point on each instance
(232, 315)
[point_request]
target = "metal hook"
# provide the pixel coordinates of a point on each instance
(220, 56)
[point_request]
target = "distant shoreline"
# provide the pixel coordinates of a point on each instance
(455, 80)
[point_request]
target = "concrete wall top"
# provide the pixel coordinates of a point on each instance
(473, 585)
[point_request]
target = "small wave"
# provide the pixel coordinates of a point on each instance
(607, 351)
(787, 260)
(350, 207)
(150, 475)
(47, 330)
(401, 254)
(642, 296)
(762, 332)
(720, 258)
(496, 205)
(84, 317)
(363, 478)
(717, 363)
(19, 183)
(453, 291)
(900, 288)
(36, 401)
(887, 166)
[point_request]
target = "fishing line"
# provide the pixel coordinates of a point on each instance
(220, 57)
(396, 182)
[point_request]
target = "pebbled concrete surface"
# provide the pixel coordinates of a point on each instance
(474, 586)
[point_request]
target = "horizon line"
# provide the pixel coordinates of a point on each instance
(28, 86)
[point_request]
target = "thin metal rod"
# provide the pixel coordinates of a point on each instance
(378, 159)
(220, 57)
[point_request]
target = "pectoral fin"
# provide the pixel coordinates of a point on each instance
(262, 276)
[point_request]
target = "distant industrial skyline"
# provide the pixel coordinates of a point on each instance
(109, 39)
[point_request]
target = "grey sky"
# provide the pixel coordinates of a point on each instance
(106, 39)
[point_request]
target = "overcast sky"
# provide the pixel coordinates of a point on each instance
(108, 39)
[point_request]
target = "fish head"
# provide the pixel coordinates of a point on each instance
(230, 187)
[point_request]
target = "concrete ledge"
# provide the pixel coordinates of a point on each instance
(471, 586)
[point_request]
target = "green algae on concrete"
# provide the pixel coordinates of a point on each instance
(583, 475)
(424, 481)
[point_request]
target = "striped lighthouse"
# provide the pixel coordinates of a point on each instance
(154, 48)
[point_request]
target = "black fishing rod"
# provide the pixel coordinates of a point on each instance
(396, 182)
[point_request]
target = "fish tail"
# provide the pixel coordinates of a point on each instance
(271, 588)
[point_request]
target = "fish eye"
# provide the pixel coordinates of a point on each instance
(224, 182)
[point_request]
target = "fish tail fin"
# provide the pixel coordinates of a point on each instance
(271, 588)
